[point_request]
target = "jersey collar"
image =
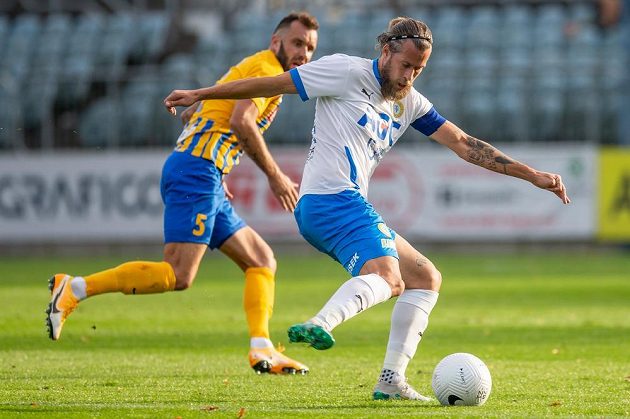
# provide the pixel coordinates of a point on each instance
(377, 74)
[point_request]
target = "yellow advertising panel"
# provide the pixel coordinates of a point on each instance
(614, 195)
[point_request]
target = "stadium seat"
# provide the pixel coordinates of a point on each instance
(137, 114)
(151, 43)
(512, 109)
(11, 134)
(50, 49)
(4, 32)
(180, 69)
(548, 112)
(37, 100)
(19, 47)
(444, 92)
(517, 15)
(481, 63)
(447, 36)
(479, 105)
(446, 62)
(551, 14)
(116, 45)
(483, 28)
(99, 124)
(582, 12)
(549, 58)
(75, 81)
(421, 13)
(515, 61)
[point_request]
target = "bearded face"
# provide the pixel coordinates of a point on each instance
(393, 89)
(283, 57)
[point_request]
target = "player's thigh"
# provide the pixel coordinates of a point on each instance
(248, 250)
(185, 259)
(347, 227)
(417, 271)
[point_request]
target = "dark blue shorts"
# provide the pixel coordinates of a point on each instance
(346, 227)
(196, 209)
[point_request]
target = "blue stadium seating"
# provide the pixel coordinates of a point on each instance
(542, 64)
(99, 124)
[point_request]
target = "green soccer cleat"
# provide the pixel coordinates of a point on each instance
(316, 336)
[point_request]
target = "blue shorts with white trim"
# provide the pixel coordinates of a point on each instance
(346, 227)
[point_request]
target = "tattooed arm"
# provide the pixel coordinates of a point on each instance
(485, 155)
(243, 124)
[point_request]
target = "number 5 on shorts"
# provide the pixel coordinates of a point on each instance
(200, 226)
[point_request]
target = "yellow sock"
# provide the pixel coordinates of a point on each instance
(132, 278)
(258, 300)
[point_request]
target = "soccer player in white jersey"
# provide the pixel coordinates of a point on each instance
(363, 107)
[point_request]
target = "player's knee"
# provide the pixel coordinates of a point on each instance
(434, 279)
(395, 282)
(265, 259)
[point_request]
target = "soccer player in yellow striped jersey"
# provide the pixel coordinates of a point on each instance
(197, 212)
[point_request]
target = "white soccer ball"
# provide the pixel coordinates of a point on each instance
(461, 380)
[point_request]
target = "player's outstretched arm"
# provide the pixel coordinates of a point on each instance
(238, 89)
(485, 155)
(243, 124)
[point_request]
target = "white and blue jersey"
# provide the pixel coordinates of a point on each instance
(354, 124)
(354, 127)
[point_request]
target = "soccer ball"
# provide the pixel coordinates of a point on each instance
(461, 380)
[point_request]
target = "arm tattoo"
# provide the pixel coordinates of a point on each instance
(484, 155)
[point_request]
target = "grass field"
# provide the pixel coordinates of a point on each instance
(554, 329)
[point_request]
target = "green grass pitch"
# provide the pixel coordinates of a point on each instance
(554, 330)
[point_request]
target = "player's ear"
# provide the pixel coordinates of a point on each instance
(385, 51)
(274, 45)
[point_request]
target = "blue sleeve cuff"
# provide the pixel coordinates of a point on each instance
(429, 122)
(297, 80)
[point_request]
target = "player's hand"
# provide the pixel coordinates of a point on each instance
(285, 190)
(179, 98)
(553, 183)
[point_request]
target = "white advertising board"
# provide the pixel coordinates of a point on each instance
(423, 193)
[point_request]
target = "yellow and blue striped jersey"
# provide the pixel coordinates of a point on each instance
(207, 134)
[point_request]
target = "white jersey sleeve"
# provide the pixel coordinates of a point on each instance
(327, 76)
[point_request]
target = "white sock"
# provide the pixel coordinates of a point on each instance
(410, 318)
(260, 343)
(79, 289)
(353, 296)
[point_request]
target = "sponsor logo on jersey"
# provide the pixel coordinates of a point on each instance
(379, 125)
(388, 244)
(352, 263)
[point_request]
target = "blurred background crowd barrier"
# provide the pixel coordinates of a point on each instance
(92, 73)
